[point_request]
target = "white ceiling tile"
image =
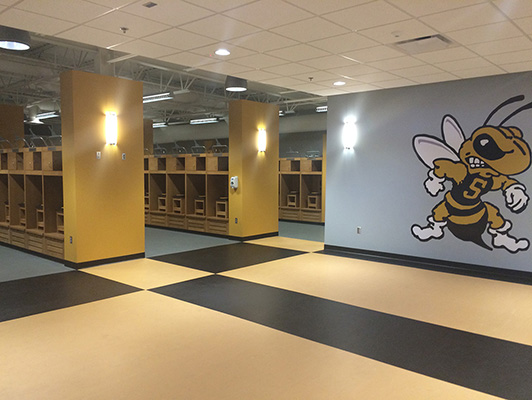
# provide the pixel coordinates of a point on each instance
(367, 15)
(137, 26)
(374, 54)
(236, 52)
(308, 87)
(344, 43)
(319, 7)
(376, 77)
(290, 69)
(440, 77)
(419, 8)
(225, 68)
(145, 49)
(77, 11)
(391, 64)
(268, 13)
(398, 31)
(219, 5)
(112, 3)
(328, 62)
(353, 71)
(452, 54)
(257, 75)
(396, 83)
(170, 12)
(179, 39)
(417, 71)
(259, 61)
(92, 36)
(298, 53)
(515, 8)
(8, 2)
(264, 41)
(365, 87)
(510, 58)
(33, 22)
(470, 63)
(317, 77)
(467, 17)
(518, 67)
(483, 71)
(283, 81)
(188, 59)
(220, 27)
(310, 29)
(486, 33)
(329, 92)
(502, 46)
(525, 24)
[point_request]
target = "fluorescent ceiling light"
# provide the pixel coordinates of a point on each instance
(321, 109)
(51, 114)
(203, 121)
(234, 84)
(157, 97)
(222, 52)
(159, 125)
(339, 83)
(14, 39)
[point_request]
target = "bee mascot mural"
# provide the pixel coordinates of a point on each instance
(485, 162)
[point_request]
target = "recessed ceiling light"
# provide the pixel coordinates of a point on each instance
(339, 83)
(14, 39)
(222, 52)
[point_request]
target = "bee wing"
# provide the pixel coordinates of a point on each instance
(429, 149)
(452, 133)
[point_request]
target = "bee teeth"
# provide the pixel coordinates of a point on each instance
(475, 162)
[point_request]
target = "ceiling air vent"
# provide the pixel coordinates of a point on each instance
(424, 44)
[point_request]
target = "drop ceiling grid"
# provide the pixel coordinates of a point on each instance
(276, 39)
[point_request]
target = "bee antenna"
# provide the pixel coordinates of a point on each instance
(523, 108)
(504, 104)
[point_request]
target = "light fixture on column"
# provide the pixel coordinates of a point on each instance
(234, 84)
(14, 39)
(261, 141)
(350, 132)
(111, 128)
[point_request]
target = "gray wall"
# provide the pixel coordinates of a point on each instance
(379, 185)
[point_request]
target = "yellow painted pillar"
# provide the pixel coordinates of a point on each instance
(253, 206)
(103, 184)
(11, 123)
(148, 136)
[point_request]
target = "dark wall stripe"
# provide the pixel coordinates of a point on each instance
(478, 271)
(482, 363)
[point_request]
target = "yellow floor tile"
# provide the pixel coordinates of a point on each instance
(145, 273)
(147, 346)
(289, 243)
(488, 307)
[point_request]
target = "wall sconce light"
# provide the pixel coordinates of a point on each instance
(261, 143)
(111, 128)
(349, 134)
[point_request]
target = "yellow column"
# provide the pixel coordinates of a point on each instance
(148, 136)
(11, 122)
(103, 197)
(253, 207)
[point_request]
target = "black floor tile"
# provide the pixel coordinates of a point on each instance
(227, 257)
(482, 363)
(24, 297)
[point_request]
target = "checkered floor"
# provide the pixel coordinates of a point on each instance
(272, 318)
